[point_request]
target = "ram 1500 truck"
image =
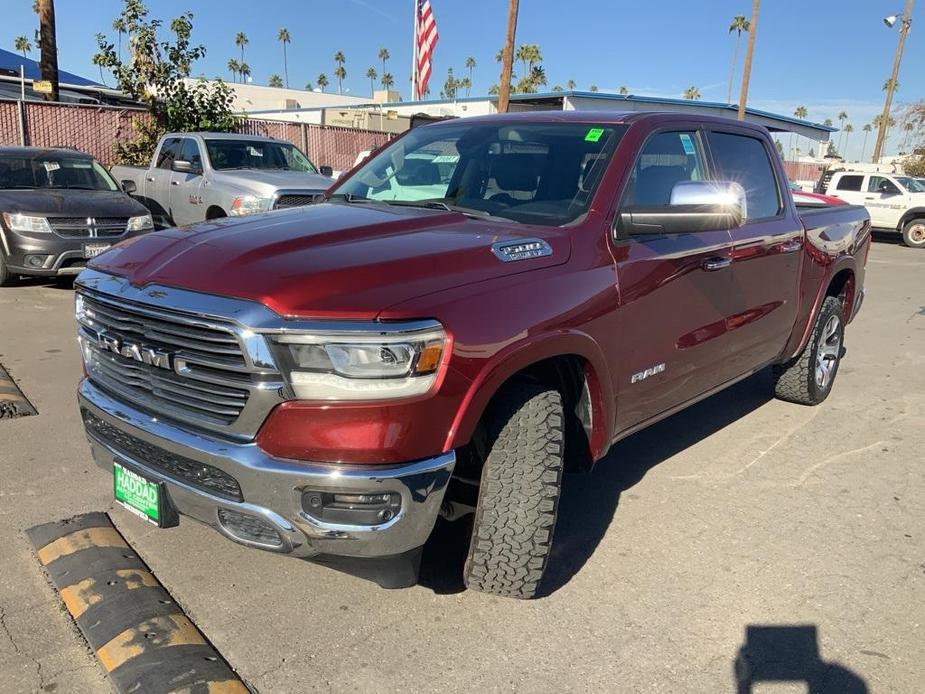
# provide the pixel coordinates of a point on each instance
(324, 381)
(199, 176)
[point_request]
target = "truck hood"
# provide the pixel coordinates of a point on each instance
(267, 182)
(330, 260)
(57, 202)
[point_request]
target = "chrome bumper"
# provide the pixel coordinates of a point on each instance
(272, 488)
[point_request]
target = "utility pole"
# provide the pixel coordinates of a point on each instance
(507, 57)
(891, 85)
(747, 70)
(49, 60)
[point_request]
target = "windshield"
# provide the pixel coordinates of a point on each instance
(48, 170)
(256, 154)
(539, 173)
(911, 184)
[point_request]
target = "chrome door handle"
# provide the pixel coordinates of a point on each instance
(150, 178)
(791, 246)
(175, 183)
(713, 264)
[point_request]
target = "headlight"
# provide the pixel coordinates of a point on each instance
(361, 367)
(249, 204)
(142, 222)
(23, 222)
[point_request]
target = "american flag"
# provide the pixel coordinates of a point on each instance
(425, 41)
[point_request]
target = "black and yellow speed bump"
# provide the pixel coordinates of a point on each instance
(140, 635)
(12, 402)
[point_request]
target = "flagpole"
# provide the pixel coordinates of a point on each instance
(414, 55)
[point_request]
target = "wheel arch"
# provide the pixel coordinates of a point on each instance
(215, 212)
(909, 215)
(570, 361)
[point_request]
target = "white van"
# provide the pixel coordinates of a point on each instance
(896, 203)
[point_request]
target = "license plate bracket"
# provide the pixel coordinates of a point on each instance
(143, 497)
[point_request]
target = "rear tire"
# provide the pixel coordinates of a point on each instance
(808, 379)
(7, 278)
(519, 496)
(914, 233)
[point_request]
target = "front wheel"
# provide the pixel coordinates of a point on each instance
(808, 379)
(914, 233)
(519, 495)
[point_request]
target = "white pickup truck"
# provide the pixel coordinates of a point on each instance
(895, 203)
(197, 176)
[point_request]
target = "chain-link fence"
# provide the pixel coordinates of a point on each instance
(97, 130)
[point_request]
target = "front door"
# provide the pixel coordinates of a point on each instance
(884, 201)
(675, 292)
(186, 187)
(766, 252)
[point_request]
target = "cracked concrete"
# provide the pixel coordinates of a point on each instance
(741, 511)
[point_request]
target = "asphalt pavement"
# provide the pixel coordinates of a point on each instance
(745, 540)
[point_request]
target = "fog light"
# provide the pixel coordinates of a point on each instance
(249, 528)
(351, 508)
(36, 260)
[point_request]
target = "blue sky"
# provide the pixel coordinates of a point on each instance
(828, 55)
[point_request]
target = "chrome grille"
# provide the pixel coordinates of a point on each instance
(88, 227)
(206, 380)
(296, 199)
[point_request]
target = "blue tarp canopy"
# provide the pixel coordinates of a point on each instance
(10, 62)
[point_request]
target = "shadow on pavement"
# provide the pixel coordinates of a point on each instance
(589, 501)
(790, 653)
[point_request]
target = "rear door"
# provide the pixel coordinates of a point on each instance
(849, 187)
(766, 250)
(186, 187)
(675, 291)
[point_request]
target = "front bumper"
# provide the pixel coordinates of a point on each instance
(271, 489)
(59, 256)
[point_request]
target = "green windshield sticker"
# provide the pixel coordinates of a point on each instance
(687, 143)
(594, 134)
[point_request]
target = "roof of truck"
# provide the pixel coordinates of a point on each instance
(223, 136)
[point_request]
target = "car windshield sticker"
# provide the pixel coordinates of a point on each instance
(254, 152)
(51, 166)
(687, 143)
(594, 134)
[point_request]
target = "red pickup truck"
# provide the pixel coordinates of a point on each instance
(481, 304)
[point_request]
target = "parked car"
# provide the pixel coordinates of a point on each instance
(895, 203)
(198, 176)
(59, 207)
(322, 382)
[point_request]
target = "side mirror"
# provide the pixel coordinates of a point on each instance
(694, 206)
(129, 187)
(326, 170)
(182, 166)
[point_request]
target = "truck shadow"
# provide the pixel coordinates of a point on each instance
(589, 501)
(790, 653)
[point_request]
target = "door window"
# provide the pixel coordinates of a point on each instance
(850, 183)
(666, 159)
(189, 151)
(881, 184)
(745, 160)
(168, 153)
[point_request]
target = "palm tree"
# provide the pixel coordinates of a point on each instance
(470, 66)
(691, 93)
(908, 128)
(284, 38)
(592, 88)
(388, 81)
(848, 130)
(867, 128)
(623, 91)
(23, 46)
(828, 122)
(99, 59)
(245, 71)
(371, 75)
(570, 85)
(276, 81)
(234, 67)
(241, 40)
(749, 56)
(739, 24)
(842, 117)
(557, 87)
(308, 86)
(118, 26)
(322, 81)
(494, 90)
(383, 56)
(340, 72)
(466, 83)
(48, 63)
(800, 112)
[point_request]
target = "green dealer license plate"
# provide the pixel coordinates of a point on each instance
(139, 495)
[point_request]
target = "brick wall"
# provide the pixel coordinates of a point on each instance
(96, 130)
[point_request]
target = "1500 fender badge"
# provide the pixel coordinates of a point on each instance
(644, 374)
(510, 251)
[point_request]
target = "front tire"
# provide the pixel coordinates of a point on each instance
(519, 496)
(914, 233)
(808, 379)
